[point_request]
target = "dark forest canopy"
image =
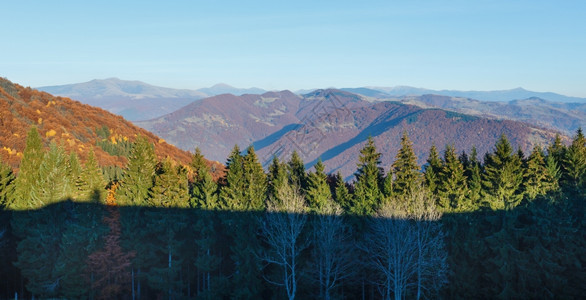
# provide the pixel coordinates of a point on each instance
(507, 225)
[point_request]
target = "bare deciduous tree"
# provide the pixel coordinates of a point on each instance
(281, 229)
(332, 252)
(406, 249)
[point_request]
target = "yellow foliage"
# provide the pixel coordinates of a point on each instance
(19, 154)
(71, 142)
(50, 133)
(16, 134)
(125, 139)
(64, 134)
(10, 151)
(113, 140)
(38, 112)
(161, 141)
(40, 120)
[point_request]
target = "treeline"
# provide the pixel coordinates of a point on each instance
(507, 226)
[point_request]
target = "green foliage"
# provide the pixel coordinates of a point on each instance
(6, 185)
(91, 181)
(204, 191)
(318, 191)
(405, 168)
(26, 190)
(297, 175)
(452, 187)
(432, 170)
(117, 148)
(538, 180)
(369, 178)
(139, 175)
(502, 177)
(342, 196)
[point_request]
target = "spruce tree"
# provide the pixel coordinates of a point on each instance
(473, 173)
(277, 176)
(232, 193)
(26, 189)
(318, 191)
(6, 185)
(405, 168)
(297, 175)
(502, 177)
(91, 184)
(432, 170)
(537, 180)
(138, 177)
(452, 188)
(255, 181)
(369, 179)
(342, 196)
(574, 162)
(204, 190)
(170, 192)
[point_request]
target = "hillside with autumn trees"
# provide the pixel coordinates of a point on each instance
(76, 127)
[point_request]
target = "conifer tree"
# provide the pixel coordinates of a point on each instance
(91, 184)
(473, 178)
(574, 162)
(405, 168)
(6, 185)
(26, 189)
(138, 177)
(277, 176)
(369, 179)
(342, 196)
(502, 177)
(297, 175)
(204, 189)
(232, 194)
(557, 150)
(255, 180)
(452, 188)
(318, 191)
(537, 180)
(170, 191)
(432, 170)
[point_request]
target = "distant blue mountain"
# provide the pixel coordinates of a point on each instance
(500, 96)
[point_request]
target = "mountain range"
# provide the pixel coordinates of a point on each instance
(332, 125)
(136, 100)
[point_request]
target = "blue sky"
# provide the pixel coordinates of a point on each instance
(464, 45)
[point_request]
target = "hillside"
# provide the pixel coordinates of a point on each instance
(331, 124)
(76, 126)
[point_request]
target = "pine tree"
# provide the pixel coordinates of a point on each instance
(204, 189)
(6, 185)
(574, 162)
(91, 184)
(232, 194)
(502, 177)
(138, 177)
(452, 188)
(277, 176)
(297, 175)
(405, 168)
(537, 180)
(318, 191)
(171, 192)
(473, 177)
(26, 190)
(255, 180)
(342, 195)
(369, 179)
(432, 170)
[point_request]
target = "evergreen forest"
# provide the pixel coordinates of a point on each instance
(504, 224)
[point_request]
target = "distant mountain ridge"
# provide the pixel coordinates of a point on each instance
(330, 124)
(136, 100)
(499, 95)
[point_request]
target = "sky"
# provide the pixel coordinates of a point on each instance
(276, 45)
